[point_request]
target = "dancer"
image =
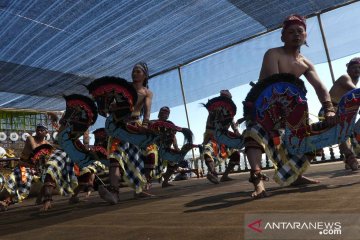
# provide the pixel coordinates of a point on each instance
(285, 59)
(169, 141)
(214, 152)
(342, 85)
(59, 172)
(87, 174)
(123, 154)
(19, 182)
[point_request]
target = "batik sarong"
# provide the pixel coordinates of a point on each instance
(61, 169)
(287, 167)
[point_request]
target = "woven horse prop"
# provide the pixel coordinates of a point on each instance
(80, 114)
(222, 111)
(167, 130)
(279, 105)
(40, 155)
(115, 98)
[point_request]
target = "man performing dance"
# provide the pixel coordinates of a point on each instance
(213, 150)
(345, 83)
(285, 59)
(121, 153)
(19, 182)
(59, 172)
(87, 174)
(168, 141)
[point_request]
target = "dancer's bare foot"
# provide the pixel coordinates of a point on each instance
(302, 180)
(260, 190)
(352, 163)
(88, 190)
(347, 167)
(197, 172)
(212, 178)
(46, 206)
(257, 178)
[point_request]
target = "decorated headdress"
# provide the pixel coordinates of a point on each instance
(294, 19)
(225, 93)
(353, 61)
(106, 90)
(41, 125)
(165, 109)
(143, 66)
(81, 113)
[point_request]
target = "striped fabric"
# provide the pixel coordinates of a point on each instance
(18, 183)
(287, 167)
(96, 167)
(158, 164)
(131, 160)
(61, 169)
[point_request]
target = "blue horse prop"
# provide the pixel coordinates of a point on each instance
(80, 114)
(276, 111)
(115, 98)
(222, 111)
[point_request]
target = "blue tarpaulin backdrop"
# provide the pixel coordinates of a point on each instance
(51, 48)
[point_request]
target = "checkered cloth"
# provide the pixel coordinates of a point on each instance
(287, 167)
(131, 160)
(61, 169)
(95, 167)
(15, 185)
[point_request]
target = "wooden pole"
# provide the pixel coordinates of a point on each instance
(184, 100)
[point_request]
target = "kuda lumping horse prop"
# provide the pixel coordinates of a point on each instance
(222, 111)
(279, 105)
(167, 130)
(115, 98)
(276, 113)
(81, 113)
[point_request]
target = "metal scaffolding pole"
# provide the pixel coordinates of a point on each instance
(184, 100)
(326, 48)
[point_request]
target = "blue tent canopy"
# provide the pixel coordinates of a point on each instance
(52, 48)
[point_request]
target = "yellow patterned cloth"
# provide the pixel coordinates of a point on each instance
(19, 182)
(159, 163)
(61, 169)
(131, 160)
